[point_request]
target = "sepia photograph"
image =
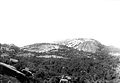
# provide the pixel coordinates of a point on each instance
(59, 41)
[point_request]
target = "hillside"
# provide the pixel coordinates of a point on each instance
(83, 44)
(51, 50)
(67, 48)
(43, 47)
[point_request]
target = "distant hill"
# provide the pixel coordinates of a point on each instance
(113, 49)
(64, 49)
(43, 47)
(83, 44)
(50, 49)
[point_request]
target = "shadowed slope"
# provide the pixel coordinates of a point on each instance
(11, 71)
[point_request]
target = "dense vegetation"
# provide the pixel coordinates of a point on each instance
(87, 68)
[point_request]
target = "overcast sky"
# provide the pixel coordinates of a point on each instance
(24, 22)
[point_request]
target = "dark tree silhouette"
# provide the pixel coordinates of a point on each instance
(11, 71)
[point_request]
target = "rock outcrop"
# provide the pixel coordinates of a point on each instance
(83, 44)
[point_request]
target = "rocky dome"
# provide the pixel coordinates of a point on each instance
(82, 44)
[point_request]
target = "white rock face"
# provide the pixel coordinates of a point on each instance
(82, 44)
(41, 47)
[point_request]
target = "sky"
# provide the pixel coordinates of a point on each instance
(24, 22)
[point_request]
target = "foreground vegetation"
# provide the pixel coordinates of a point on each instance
(87, 68)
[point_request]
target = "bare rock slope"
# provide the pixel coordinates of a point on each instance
(83, 44)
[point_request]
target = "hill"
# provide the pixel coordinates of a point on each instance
(83, 44)
(52, 50)
(43, 47)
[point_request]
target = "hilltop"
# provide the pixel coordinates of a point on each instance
(83, 44)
